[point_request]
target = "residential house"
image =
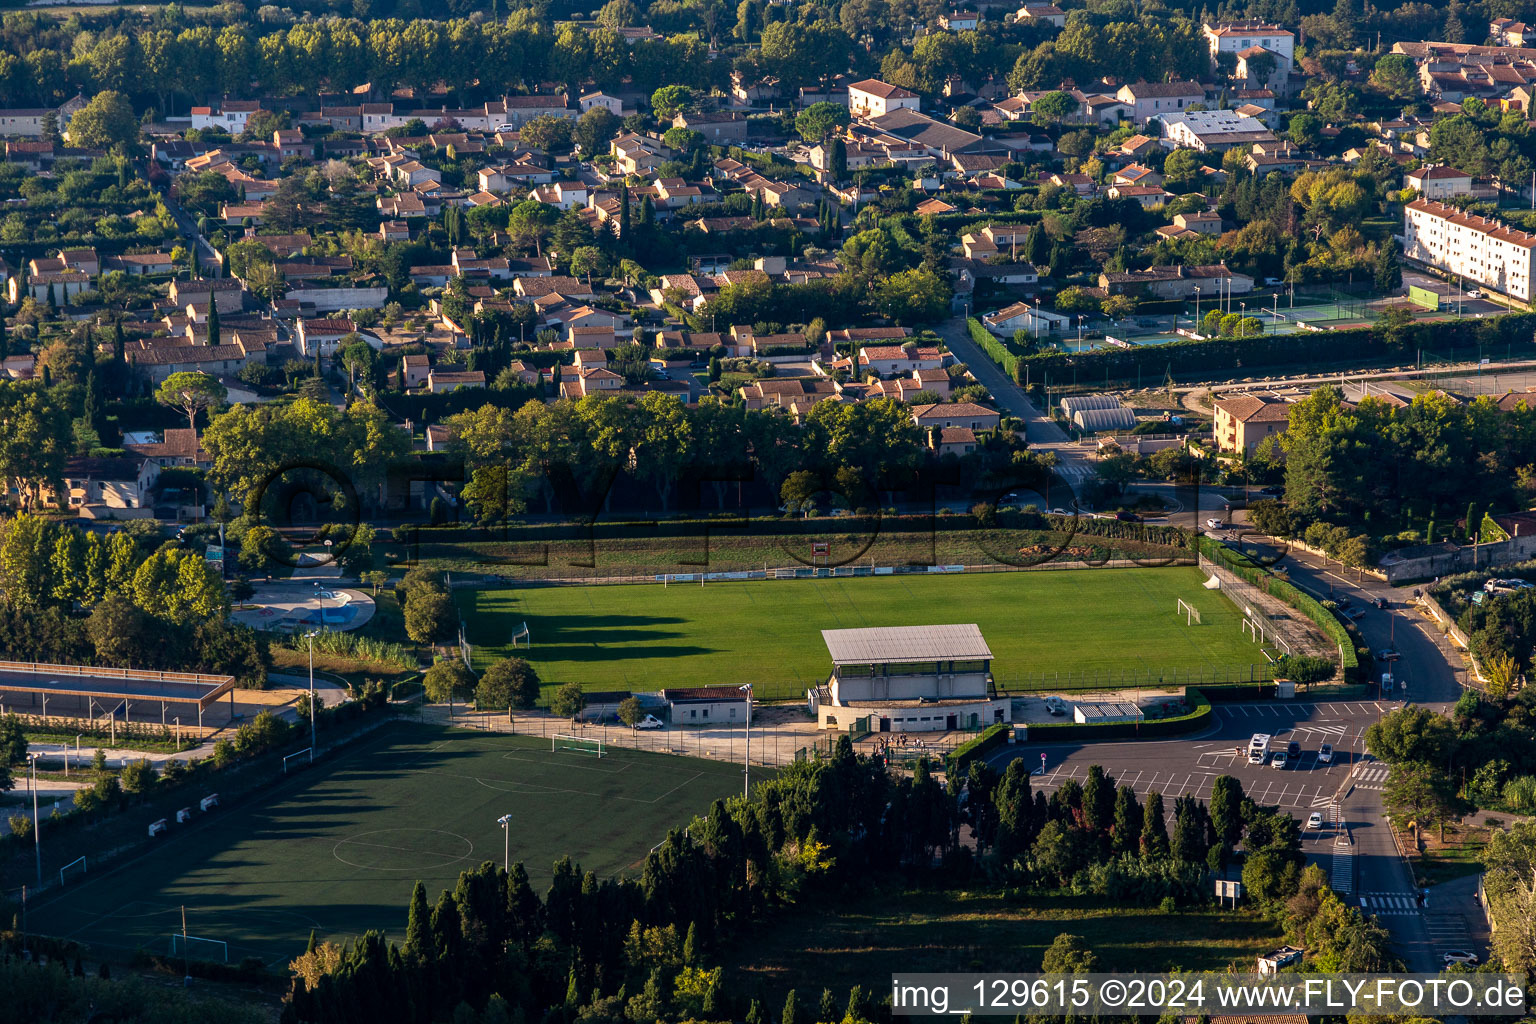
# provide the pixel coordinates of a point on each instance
(960, 21)
(121, 481)
(441, 382)
(229, 116)
(1042, 14)
(1154, 99)
(1243, 421)
(1177, 282)
(956, 414)
(874, 98)
(720, 127)
(891, 360)
(1438, 181)
(1021, 316)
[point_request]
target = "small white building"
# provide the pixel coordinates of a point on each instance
(1021, 316)
(874, 98)
(1438, 182)
(707, 705)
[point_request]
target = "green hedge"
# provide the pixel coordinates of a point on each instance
(1199, 715)
(993, 348)
(1244, 568)
(1153, 362)
(993, 737)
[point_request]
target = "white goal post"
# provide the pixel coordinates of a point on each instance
(1190, 612)
(303, 757)
(580, 744)
(521, 633)
(74, 869)
(195, 948)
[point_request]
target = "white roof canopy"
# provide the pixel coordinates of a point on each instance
(884, 644)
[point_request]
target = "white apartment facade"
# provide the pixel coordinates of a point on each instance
(1486, 251)
(1237, 36)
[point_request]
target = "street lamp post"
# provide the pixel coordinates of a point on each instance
(37, 834)
(1196, 327)
(505, 821)
(746, 757)
(1242, 328)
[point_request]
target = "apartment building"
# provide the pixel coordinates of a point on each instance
(1489, 252)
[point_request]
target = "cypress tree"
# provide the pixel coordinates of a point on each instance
(624, 235)
(5, 340)
(418, 934)
(1127, 831)
(51, 303)
(858, 1002)
(1035, 245)
(755, 1013)
(118, 342)
(691, 945)
(1154, 830)
(791, 1014)
(827, 1012)
(311, 947)
(213, 320)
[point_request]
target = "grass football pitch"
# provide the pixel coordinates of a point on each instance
(338, 847)
(1047, 628)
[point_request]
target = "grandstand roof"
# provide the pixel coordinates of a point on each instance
(884, 644)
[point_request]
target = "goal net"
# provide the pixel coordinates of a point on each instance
(74, 871)
(1190, 612)
(195, 948)
(580, 744)
(521, 633)
(299, 759)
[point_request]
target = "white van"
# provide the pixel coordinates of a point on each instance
(1258, 748)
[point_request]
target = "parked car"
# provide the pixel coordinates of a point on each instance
(1056, 706)
(1315, 821)
(1214, 524)
(650, 722)
(1128, 517)
(1058, 511)
(1383, 603)
(1325, 754)
(1279, 760)
(1460, 956)
(1293, 751)
(1272, 489)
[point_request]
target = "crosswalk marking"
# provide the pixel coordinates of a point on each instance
(1389, 905)
(1369, 775)
(1341, 871)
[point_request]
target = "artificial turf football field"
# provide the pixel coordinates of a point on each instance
(338, 847)
(1093, 627)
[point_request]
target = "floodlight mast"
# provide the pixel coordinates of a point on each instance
(746, 755)
(505, 821)
(310, 636)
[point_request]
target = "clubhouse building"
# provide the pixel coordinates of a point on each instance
(908, 679)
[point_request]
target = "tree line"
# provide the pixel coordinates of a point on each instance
(85, 597)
